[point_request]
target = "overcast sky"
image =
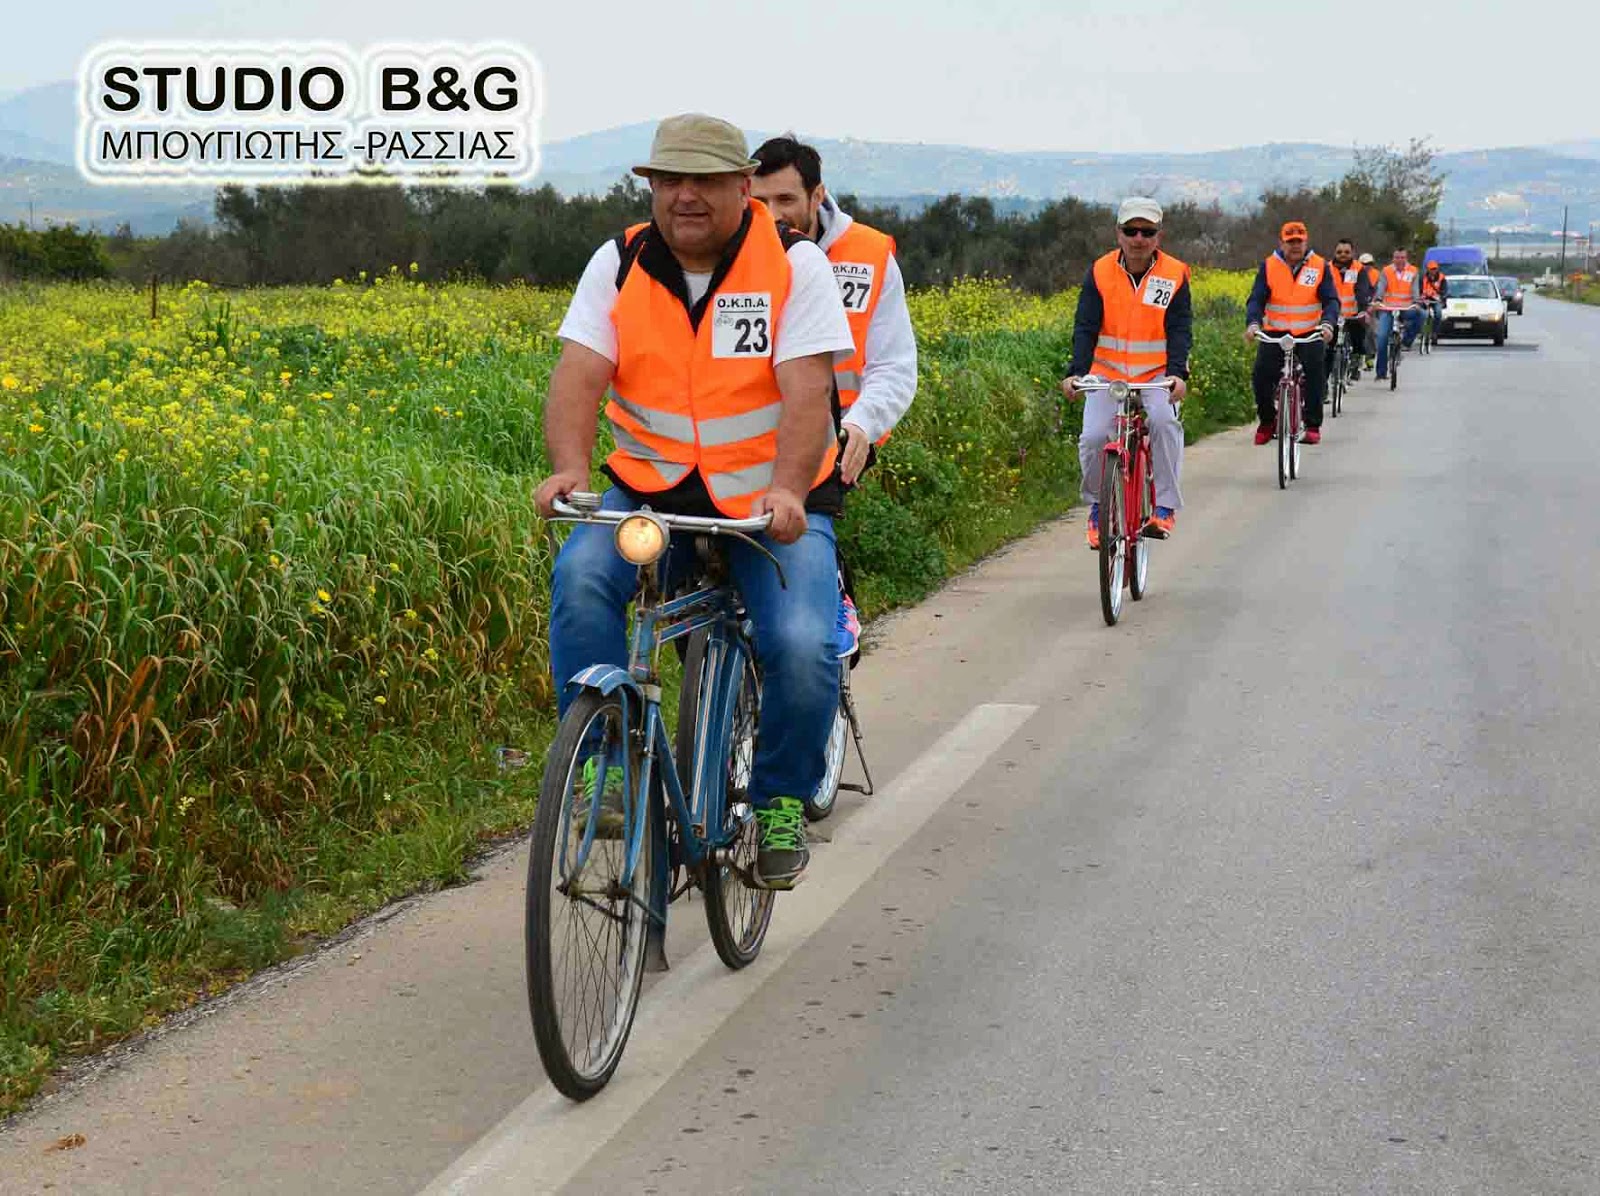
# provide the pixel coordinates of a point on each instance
(1009, 74)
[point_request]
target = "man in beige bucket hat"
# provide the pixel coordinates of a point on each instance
(714, 335)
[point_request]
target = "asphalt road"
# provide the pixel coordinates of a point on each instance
(1282, 885)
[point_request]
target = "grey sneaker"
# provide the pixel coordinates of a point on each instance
(783, 855)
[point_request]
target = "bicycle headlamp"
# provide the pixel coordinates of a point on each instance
(1119, 391)
(641, 538)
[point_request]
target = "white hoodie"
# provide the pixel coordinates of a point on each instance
(889, 381)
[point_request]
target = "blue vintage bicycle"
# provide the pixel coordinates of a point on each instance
(628, 821)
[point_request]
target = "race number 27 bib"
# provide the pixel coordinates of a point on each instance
(741, 325)
(855, 283)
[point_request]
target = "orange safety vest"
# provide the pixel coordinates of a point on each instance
(1430, 286)
(1399, 285)
(1292, 303)
(1344, 281)
(684, 398)
(1372, 277)
(860, 259)
(1133, 331)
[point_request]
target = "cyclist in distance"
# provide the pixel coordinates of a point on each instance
(1355, 288)
(1293, 293)
(1371, 271)
(1398, 285)
(1435, 292)
(1135, 323)
(714, 335)
(879, 380)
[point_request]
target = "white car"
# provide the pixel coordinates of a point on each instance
(1474, 308)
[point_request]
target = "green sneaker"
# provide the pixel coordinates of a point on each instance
(783, 854)
(611, 820)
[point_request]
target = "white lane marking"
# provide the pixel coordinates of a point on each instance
(547, 1139)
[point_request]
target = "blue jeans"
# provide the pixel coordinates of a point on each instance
(592, 585)
(1409, 330)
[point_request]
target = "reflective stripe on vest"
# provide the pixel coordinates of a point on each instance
(1292, 303)
(1344, 281)
(860, 258)
(1132, 345)
(683, 398)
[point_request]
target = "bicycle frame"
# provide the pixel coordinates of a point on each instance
(698, 803)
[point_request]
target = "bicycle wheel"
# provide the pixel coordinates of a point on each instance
(1284, 435)
(1341, 362)
(1394, 362)
(1139, 547)
(1296, 428)
(820, 804)
(585, 932)
(1113, 547)
(736, 915)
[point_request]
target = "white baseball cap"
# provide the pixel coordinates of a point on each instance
(1139, 207)
(1366, 259)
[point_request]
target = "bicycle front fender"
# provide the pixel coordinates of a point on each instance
(606, 679)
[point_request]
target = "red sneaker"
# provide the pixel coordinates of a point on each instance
(1265, 432)
(1312, 436)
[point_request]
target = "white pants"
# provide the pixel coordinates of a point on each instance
(1166, 443)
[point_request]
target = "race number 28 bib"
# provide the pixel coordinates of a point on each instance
(1158, 292)
(741, 325)
(855, 283)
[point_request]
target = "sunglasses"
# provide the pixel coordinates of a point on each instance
(1132, 230)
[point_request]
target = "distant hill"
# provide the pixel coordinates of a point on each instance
(1484, 188)
(1511, 187)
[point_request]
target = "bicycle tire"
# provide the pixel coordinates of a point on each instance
(1113, 550)
(1394, 361)
(547, 965)
(737, 916)
(1296, 429)
(1283, 430)
(821, 803)
(1138, 566)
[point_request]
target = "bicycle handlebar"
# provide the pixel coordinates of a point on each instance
(585, 508)
(1095, 382)
(1286, 338)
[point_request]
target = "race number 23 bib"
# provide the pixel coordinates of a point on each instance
(741, 325)
(1158, 292)
(855, 283)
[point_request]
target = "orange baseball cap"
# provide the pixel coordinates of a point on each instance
(1292, 230)
(1433, 265)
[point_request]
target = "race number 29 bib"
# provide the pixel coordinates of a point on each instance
(1308, 277)
(741, 325)
(1158, 292)
(855, 283)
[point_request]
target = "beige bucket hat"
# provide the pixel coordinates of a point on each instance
(697, 144)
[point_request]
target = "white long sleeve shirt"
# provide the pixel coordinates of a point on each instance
(889, 381)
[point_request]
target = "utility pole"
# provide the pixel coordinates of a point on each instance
(1561, 270)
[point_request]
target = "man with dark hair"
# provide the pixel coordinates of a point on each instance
(877, 383)
(1355, 296)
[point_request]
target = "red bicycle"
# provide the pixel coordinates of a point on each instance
(1127, 494)
(1290, 398)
